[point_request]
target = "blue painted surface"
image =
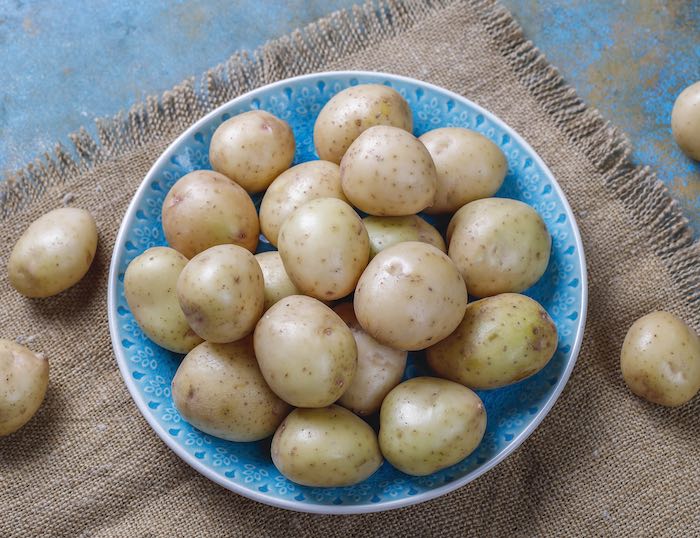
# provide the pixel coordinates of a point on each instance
(65, 63)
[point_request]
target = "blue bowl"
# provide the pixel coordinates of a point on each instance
(246, 468)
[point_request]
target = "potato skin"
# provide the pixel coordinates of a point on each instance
(324, 247)
(252, 149)
(306, 352)
(385, 232)
(325, 447)
(428, 424)
(222, 293)
(388, 172)
(204, 209)
(54, 252)
(293, 188)
(25, 377)
(379, 368)
(469, 166)
(499, 245)
(277, 282)
(501, 340)
(660, 359)
(352, 111)
(685, 121)
(219, 389)
(150, 282)
(410, 296)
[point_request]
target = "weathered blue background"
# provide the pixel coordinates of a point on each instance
(64, 63)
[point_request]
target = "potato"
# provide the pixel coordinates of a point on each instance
(306, 352)
(499, 245)
(252, 149)
(324, 247)
(385, 232)
(660, 359)
(53, 253)
(204, 209)
(388, 172)
(427, 424)
(354, 110)
(326, 447)
(24, 377)
(149, 288)
(219, 389)
(501, 340)
(222, 293)
(379, 368)
(469, 166)
(277, 282)
(293, 188)
(410, 296)
(685, 121)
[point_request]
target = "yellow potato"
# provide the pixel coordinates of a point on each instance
(324, 247)
(410, 296)
(24, 377)
(204, 209)
(53, 253)
(293, 188)
(379, 368)
(427, 424)
(501, 340)
(354, 110)
(219, 389)
(385, 232)
(306, 352)
(660, 359)
(388, 172)
(499, 245)
(277, 282)
(469, 166)
(326, 447)
(685, 121)
(252, 149)
(222, 293)
(149, 287)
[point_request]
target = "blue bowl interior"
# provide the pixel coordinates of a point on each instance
(511, 411)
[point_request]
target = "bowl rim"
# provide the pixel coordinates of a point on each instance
(122, 362)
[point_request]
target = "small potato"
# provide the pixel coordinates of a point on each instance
(219, 389)
(252, 149)
(326, 447)
(410, 296)
(352, 111)
(204, 209)
(222, 293)
(427, 424)
(306, 352)
(277, 282)
(24, 377)
(501, 340)
(149, 287)
(385, 232)
(499, 245)
(324, 247)
(469, 166)
(293, 188)
(685, 121)
(660, 359)
(54, 253)
(388, 172)
(379, 368)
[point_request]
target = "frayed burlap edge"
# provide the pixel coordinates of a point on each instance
(344, 33)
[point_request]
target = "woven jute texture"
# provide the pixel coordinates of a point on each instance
(603, 463)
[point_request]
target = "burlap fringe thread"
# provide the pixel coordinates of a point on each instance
(344, 33)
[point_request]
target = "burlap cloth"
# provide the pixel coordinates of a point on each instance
(603, 463)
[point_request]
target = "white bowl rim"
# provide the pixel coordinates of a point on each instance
(320, 508)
